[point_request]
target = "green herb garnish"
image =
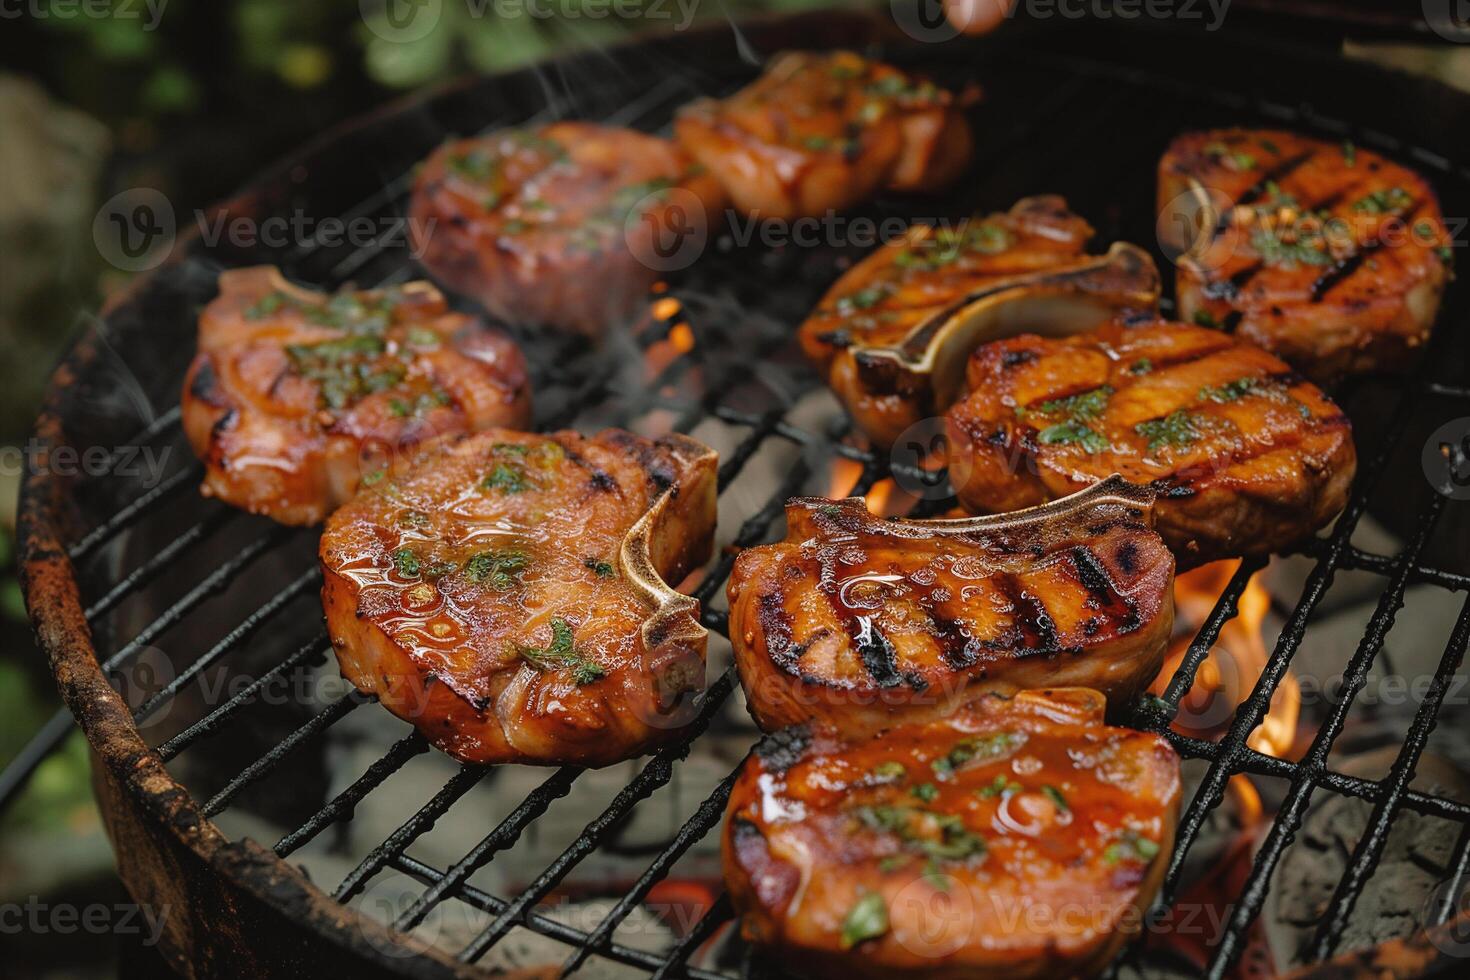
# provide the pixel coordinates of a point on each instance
(1056, 797)
(561, 654)
(1384, 201)
(925, 791)
(1229, 391)
(1130, 846)
(867, 919)
(1175, 429)
(406, 562)
(1072, 432)
(602, 569)
(499, 568)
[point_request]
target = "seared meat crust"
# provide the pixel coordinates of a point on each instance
(296, 396)
(893, 333)
(861, 623)
(557, 225)
(821, 132)
(1016, 838)
(1245, 456)
(507, 594)
(1328, 255)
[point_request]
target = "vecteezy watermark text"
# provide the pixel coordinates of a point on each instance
(146, 463)
(99, 918)
(136, 230)
(150, 12)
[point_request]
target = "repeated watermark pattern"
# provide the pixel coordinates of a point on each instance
(148, 13)
(37, 917)
(407, 21)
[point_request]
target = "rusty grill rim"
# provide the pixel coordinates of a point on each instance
(61, 621)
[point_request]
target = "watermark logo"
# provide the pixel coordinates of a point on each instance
(148, 12)
(141, 681)
(1446, 459)
(387, 900)
(39, 918)
(401, 21)
(135, 230)
(1448, 901)
(1450, 19)
(928, 20)
(667, 230)
(922, 464)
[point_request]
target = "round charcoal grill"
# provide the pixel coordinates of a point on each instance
(265, 807)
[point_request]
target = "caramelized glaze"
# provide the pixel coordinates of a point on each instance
(507, 594)
(823, 131)
(862, 623)
(295, 397)
(557, 225)
(1245, 456)
(1017, 838)
(893, 333)
(1328, 255)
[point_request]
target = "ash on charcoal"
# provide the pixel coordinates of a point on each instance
(1415, 860)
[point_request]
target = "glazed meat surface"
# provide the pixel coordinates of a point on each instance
(893, 333)
(1016, 838)
(507, 595)
(1328, 255)
(861, 623)
(1245, 456)
(560, 225)
(821, 132)
(295, 397)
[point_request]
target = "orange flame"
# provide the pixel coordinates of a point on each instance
(1234, 664)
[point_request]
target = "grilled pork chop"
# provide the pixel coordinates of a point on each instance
(506, 595)
(892, 335)
(561, 225)
(821, 132)
(1015, 838)
(296, 396)
(1329, 256)
(861, 623)
(1245, 456)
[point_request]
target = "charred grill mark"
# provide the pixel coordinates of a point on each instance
(779, 751)
(1231, 321)
(880, 659)
(775, 626)
(1094, 578)
(1038, 631)
(205, 384)
(1341, 271)
(959, 650)
(1276, 175)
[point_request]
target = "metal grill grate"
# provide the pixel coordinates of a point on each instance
(1093, 134)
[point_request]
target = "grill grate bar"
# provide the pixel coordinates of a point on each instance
(151, 568)
(1375, 836)
(319, 722)
(1226, 608)
(1249, 713)
(341, 806)
(311, 650)
(503, 836)
(1288, 817)
(1449, 889)
(213, 583)
(1256, 763)
(233, 639)
(410, 830)
(695, 828)
(482, 900)
(131, 512)
(717, 915)
(658, 771)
